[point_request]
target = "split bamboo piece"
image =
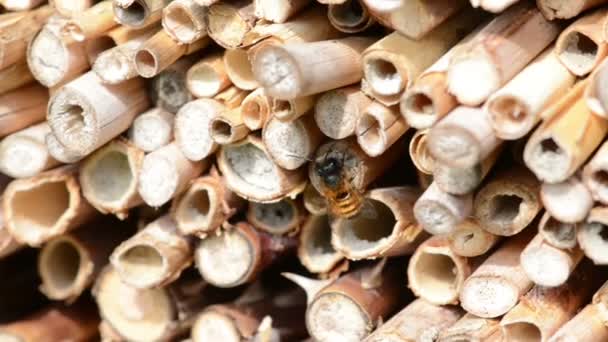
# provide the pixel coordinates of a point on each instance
(20, 5)
(565, 139)
(472, 328)
(24, 153)
(337, 111)
(495, 6)
(487, 62)
(237, 64)
(34, 219)
(350, 16)
(587, 325)
(393, 63)
(385, 227)
(419, 152)
(469, 239)
(90, 23)
(208, 76)
(299, 69)
(154, 257)
(419, 321)
(152, 130)
(192, 128)
(110, 175)
(313, 201)
(20, 291)
(138, 13)
(291, 144)
(569, 201)
(595, 175)
(168, 89)
(60, 152)
(379, 127)
(184, 21)
(166, 173)
(436, 274)
(228, 127)
(279, 11)
(266, 182)
(230, 22)
(581, 46)
(559, 234)
(280, 218)
(256, 109)
(315, 250)
(85, 113)
(22, 107)
(68, 264)
(461, 181)
(565, 9)
(542, 311)
(500, 273)
(464, 138)
(237, 255)
(439, 212)
(508, 203)
(15, 76)
(70, 8)
(591, 236)
(516, 108)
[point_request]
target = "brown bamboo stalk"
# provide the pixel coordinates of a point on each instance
(508, 203)
(15, 76)
(587, 325)
(165, 173)
(595, 96)
(379, 128)
(350, 16)
(500, 273)
(591, 235)
(255, 109)
(24, 153)
(567, 137)
(469, 239)
(22, 108)
(291, 144)
(191, 128)
(34, 219)
(337, 111)
(185, 21)
(138, 13)
(90, 23)
(230, 22)
(559, 234)
(70, 8)
(595, 173)
(109, 177)
(569, 201)
(439, 212)
(228, 127)
(315, 250)
(60, 152)
(472, 328)
(168, 89)
(237, 255)
(564, 9)
(419, 152)
(281, 218)
(208, 76)
(152, 130)
(487, 63)
(279, 11)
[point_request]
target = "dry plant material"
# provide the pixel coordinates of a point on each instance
(314, 202)
(25, 154)
(192, 128)
(70, 8)
(439, 212)
(461, 181)
(587, 325)
(184, 21)
(556, 233)
(166, 173)
(138, 13)
(32, 218)
(208, 76)
(255, 109)
(230, 22)
(516, 108)
(60, 152)
(595, 175)
(350, 16)
(472, 328)
(419, 152)
(337, 111)
(90, 23)
(228, 127)
(591, 235)
(168, 89)
(237, 65)
(565, 9)
(110, 175)
(85, 113)
(508, 203)
(379, 128)
(385, 226)
(501, 273)
(8, 244)
(152, 130)
(469, 239)
(315, 250)
(22, 108)
(279, 11)
(280, 218)
(238, 254)
(291, 144)
(581, 46)
(566, 138)
(15, 76)
(498, 52)
(569, 201)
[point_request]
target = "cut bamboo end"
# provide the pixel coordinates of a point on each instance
(90, 23)
(228, 127)
(214, 325)
(439, 212)
(152, 130)
(138, 13)
(280, 218)
(559, 234)
(208, 76)
(184, 20)
(291, 144)
(591, 236)
(279, 12)
(569, 201)
(154, 257)
(564, 9)
(60, 152)
(378, 128)
(117, 64)
(166, 173)
(469, 239)
(237, 66)
(110, 175)
(70, 8)
(191, 128)
(337, 111)
(25, 154)
(315, 250)
(472, 328)
(419, 152)
(120, 36)
(350, 16)
(595, 175)
(586, 325)
(229, 23)
(168, 89)
(23, 107)
(547, 265)
(289, 110)
(267, 184)
(255, 109)
(427, 100)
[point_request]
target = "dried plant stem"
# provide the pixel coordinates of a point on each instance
(138, 13)
(185, 21)
(337, 111)
(472, 328)
(152, 130)
(469, 239)
(547, 265)
(291, 144)
(439, 212)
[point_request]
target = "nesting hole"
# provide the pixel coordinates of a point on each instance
(277, 215)
(135, 14)
(198, 205)
(421, 104)
(281, 107)
(62, 264)
(564, 233)
(371, 133)
(141, 263)
(320, 241)
(41, 207)
(221, 130)
(111, 176)
(601, 178)
(349, 13)
(504, 208)
(436, 273)
(374, 222)
(522, 332)
(180, 23)
(74, 118)
(510, 109)
(549, 146)
(145, 63)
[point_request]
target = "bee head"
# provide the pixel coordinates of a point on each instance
(329, 170)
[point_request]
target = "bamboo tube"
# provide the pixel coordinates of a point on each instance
(516, 108)
(350, 17)
(22, 108)
(51, 60)
(558, 234)
(90, 23)
(508, 203)
(486, 63)
(591, 236)
(439, 212)
(542, 311)
(20, 5)
(392, 64)
(564, 9)
(278, 11)
(291, 144)
(269, 183)
(237, 255)
(184, 21)
(60, 152)
(152, 130)
(230, 22)
(436, 274)
(77, 322)
(469, 239)
(192, 128)
(34, 219)
(419, 321)
(457, 181)
(299, 69)
(166, 173)
(231, 97)
(463, 138)
(138, 13)
(154, 257)
(85, 114)
(500, 273)
(205, 206)
(120, 35)
(585, 326)
(24, 153)
(494, 6)
(595, 174)
(208, 76)
(110, 175)
(15, 76)
(70, 8)
(255, 109)
(595, 96)
(315, 250)
(168, 89)
(581, 46)
(569, 201)
(281, 218)
(600, 299)
(160, 51)
(337, 111)
(237, 66)
(289, 110)
(472, 328)
(562, 143)
(419, 152)
(8, 244)
(68, 264)
(228, 127)
(379, 127)
(385, 227)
